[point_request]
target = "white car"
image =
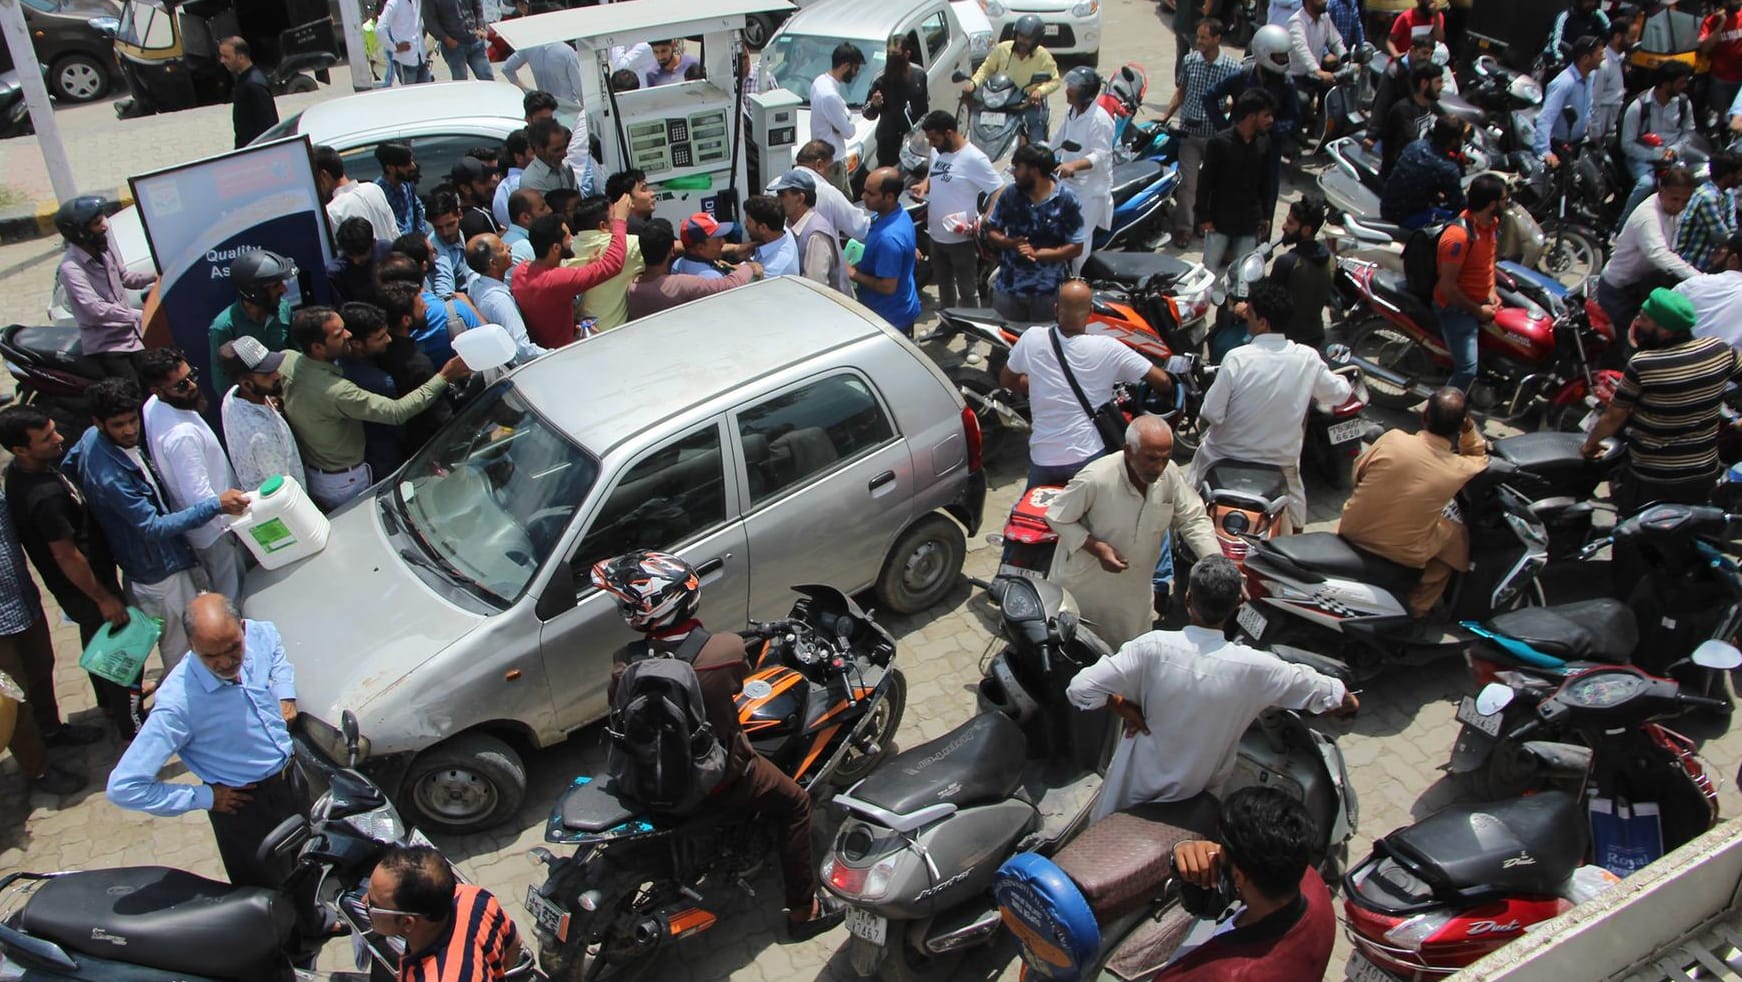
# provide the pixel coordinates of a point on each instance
(1073, 27)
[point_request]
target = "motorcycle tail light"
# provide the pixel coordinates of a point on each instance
(866, 883)
(1416, 931)
(1235, 522)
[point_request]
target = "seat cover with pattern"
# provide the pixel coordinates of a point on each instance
(1125, 859)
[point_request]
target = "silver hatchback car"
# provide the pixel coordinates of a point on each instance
(775, 434)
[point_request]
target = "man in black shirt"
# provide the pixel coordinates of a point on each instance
(1230, 183)
(67, 547)
(253, 112)
(1394, 85)
(1409, 118)
(897, 101)
(1305, 271)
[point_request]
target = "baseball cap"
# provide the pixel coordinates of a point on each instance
(467, 170)
(701, 227)
(797, 179)
(249, 355)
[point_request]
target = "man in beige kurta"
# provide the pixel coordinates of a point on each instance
(1110, 520)
(1402, 486)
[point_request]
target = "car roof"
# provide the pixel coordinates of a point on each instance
(853, 18)
(610, 387)
(411, 108)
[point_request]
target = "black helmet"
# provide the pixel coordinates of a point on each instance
(1029, 26)
(1085, 80)
(252, 271)
(74, 217)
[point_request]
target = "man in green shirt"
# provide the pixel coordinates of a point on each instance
(260, 312)
(327, 411)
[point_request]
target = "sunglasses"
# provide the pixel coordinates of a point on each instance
(189, 382)
(369, 906)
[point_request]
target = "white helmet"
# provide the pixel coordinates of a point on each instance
(1270, 48)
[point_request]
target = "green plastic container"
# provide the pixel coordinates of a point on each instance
(853, 251)
(119, 656)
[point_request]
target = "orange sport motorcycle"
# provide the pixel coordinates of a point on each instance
(823, 701)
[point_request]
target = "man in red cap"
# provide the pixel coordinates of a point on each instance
(704, 242)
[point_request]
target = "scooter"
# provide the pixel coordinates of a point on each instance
(1105, 902)
(1439, 895)
(822, 702)
(1142, 190)
(1318, 592)
(1342, 110)
(49, 371)
(155, 924)
(997, 114)
(916, 855)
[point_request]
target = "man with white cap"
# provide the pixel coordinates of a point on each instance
(255, 431)
(819, 243)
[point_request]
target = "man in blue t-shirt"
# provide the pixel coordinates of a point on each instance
(1038, 226)
(884, 274)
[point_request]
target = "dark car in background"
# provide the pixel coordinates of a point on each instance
(75, 42)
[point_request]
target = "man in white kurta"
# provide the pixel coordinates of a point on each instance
(1110, 519)
(1187, 696)
(1087, 170)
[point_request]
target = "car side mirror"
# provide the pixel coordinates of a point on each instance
(1717, 655)
(559, 594)
(1070, 146)
(1493, 698)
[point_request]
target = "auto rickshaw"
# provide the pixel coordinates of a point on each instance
(168, 49)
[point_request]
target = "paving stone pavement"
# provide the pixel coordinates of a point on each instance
(1394, 747)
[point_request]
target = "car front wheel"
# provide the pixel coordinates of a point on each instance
(923, 566)
(469, 783)
(79, 78)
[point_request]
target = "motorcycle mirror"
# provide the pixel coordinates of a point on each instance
(1039, 77)
(1070, 146)
(1493, 698)
(1717, 655)
(1252, 268)
(1339, 354)
(959, 77)
(1218, 295)
(353, 735)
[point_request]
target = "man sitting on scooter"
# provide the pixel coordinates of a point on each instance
(1187, 696)
(1023, 59)
(659, 595)
(1402, 486)
(1282, 927)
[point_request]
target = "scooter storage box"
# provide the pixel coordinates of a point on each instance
(1028, 519)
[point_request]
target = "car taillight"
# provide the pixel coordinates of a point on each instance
(976, 444)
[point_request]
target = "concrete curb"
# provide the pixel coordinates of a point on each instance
(25, 222)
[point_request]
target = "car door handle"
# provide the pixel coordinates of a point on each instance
(887, 477)
(713, 565)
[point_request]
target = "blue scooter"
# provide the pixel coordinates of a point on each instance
(1141, 191)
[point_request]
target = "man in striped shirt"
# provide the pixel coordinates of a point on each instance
(1204, 68)
(1669, 400)
(454, 932)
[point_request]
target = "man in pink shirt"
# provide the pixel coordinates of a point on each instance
(660, 289)
(546, 290)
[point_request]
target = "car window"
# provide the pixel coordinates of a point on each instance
(805, 431)
(665, 499)
(281, 129)
(145, 26)
(435, 156)
(936, 29)
(46, 6)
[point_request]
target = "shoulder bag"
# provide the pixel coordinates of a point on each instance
(1108, 420)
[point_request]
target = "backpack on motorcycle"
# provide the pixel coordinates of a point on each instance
(1421, 257)
(663, 752)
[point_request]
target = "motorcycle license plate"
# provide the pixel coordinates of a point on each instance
(417, 838)
(864, 924)
(1590, 420)
(548, 915)
(1347, 430)
(1252, 621)
(993, 118)
(1362, 970)
(1468, 715)
(1005, 569)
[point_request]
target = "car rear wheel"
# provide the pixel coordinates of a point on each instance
(79, 78)
(923, 566)
(471, 782)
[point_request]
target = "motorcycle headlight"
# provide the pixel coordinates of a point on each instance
(380, 825)
(1086, 8)
(994, 8)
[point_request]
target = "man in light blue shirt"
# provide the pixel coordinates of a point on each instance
(450, 275)
(517, 152)
(774, 246)
(225, 713)
(524, 205)
(555, 69)
(1570, 89)
(489, 257)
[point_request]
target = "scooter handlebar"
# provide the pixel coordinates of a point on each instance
(1701, 702)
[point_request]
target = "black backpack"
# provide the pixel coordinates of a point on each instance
(1421, 257)
(663, 751)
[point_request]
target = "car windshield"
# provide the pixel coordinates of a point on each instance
(488, 498)
(795, 60)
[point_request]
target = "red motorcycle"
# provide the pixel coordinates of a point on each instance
(1536, 358)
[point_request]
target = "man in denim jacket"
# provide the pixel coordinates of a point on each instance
(148, 540)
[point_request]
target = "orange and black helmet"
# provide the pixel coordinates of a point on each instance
(654, 590)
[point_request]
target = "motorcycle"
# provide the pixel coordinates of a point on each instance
(924, 834)
(1115, 876)
(1439, 895)
(1142, 190)
(49, 371)
(1342, 110)
(155, 924)
(1532, 363)
(997, 116)
(1318, 592)
(822, 702)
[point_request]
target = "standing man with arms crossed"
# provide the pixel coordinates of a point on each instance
(1038, 228)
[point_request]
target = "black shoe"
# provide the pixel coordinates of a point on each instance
(830, 912)
(58, 781)
(73, 735)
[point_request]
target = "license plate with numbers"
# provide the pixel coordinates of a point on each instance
(1252, 621)
(548, 915)
(1347, 430)
(1362, 970)
(1468, 715)
(864, 924)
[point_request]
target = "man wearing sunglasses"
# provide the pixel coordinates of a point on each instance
(454, 932)
(190, 461)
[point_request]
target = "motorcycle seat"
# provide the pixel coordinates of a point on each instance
(1600, 630)
(590, 807)
(50, 345)
(167, 919)
(978, 761)
(1132, 177)
(986, 315)
(1518, 846)
(1543, 451)
(1391, 287)
(1261, 481)
(1327, 552)
(1130, 268)
(1124, 860)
